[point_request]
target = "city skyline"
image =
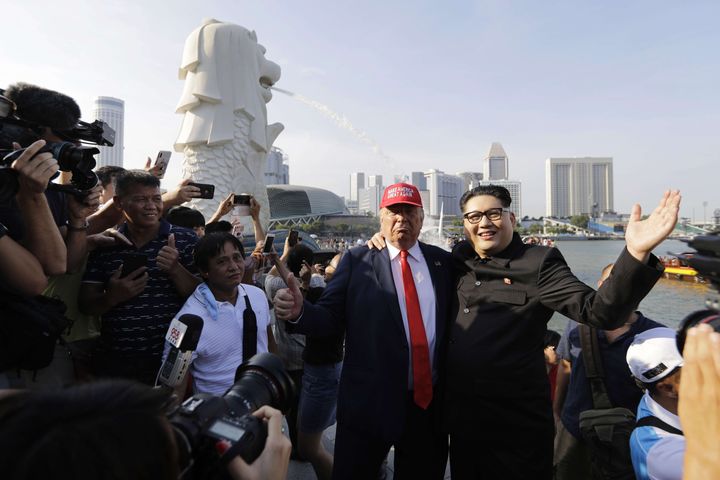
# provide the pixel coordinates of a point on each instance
(427, 90)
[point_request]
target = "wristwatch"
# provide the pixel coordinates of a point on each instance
(72, 228)
(3, 230)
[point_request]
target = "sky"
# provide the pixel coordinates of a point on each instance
(429, 84)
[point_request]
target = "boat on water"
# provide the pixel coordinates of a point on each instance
(678, 269)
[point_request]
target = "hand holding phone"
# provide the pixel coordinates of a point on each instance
(268, 245)
(292, 238)
(161, 163)
(206, 190)
(131, 262)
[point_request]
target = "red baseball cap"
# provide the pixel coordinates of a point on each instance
(401, 193)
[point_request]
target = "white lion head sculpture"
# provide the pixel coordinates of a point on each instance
(227, 84)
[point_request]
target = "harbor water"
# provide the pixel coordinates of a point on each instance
(668, 302)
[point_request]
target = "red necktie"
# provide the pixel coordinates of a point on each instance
(422, 376)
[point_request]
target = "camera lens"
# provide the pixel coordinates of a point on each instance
(261, 381)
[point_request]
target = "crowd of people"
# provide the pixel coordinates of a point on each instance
(439, 355)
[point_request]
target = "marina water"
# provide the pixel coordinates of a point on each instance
(668, 302)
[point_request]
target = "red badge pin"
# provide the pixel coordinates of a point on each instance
(507, 281)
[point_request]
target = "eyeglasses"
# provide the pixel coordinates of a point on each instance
(493, 214)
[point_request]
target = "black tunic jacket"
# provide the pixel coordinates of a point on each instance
(495, 365)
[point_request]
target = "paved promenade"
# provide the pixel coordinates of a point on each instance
(304, 471)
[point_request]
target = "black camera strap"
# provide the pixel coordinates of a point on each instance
(249, 344)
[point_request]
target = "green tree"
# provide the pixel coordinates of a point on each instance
(580, 220)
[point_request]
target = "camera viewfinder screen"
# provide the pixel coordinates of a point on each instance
(231, 432)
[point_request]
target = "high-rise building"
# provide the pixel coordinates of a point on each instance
(470, 179)
(578, 186)
(445, 192)
(418, 179)
(515, 189)
(369, 199)
(374, 180)
(495, 163)
(111, 111)
(357, 183)
(277, 170)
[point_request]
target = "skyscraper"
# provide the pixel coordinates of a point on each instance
(495, 164)
(578, 186)
(444, 193)
(111, 111)
(357, 183)
(375, 180)
(418, 179)
(515, 189)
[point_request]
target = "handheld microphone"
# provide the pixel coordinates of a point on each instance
(183, 335)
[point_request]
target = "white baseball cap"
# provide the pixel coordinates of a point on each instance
(653, 354)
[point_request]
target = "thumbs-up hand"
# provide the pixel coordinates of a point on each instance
(288, 301)
(167, 259)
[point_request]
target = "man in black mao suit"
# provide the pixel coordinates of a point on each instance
(497, 406)
(387, 395)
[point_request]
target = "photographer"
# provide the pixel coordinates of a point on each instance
(110, 430)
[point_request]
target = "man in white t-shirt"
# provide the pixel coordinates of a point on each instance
(236, 316)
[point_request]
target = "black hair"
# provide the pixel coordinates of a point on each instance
(108, 173)
(298, 254)
(501, 193)
(185, 217)
(552, 339)
(44, 107)
(129, 178)
(222, 226)
(103, 430)
(210, 245)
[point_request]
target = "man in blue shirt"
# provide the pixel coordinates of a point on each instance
(657, 450)
(571, 455)
(137, 308)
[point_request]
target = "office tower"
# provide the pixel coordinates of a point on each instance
(277, 170)
(470, 179)
(495, 164)
(357, 183)
(111, 111)
(369, 199)
(418, 179)
(375, 180)
(578, 186)
(445, 192)
(515, 189)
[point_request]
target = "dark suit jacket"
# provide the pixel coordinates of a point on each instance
(361, 299)
(495, 365)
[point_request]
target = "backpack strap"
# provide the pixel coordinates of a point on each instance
(651, 421)
(593, 366)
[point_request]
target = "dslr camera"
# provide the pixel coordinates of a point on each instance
(210, 430)
(79, 160)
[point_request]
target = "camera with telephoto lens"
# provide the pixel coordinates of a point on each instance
(210, 430)
(706, 260)
(79, 160)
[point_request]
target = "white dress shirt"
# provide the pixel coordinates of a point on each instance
(426, 297)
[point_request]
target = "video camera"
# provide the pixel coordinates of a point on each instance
(707, 263)
(205, 424)
(79, 160)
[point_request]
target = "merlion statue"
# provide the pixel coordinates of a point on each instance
(224, 134)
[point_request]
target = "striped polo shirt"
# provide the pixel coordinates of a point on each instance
(136, 327)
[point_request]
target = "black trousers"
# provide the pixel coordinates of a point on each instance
(512, 453)
(421, 452)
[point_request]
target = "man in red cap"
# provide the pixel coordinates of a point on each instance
(393, 304)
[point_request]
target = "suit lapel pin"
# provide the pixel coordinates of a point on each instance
(507, 281)
(438, 263)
